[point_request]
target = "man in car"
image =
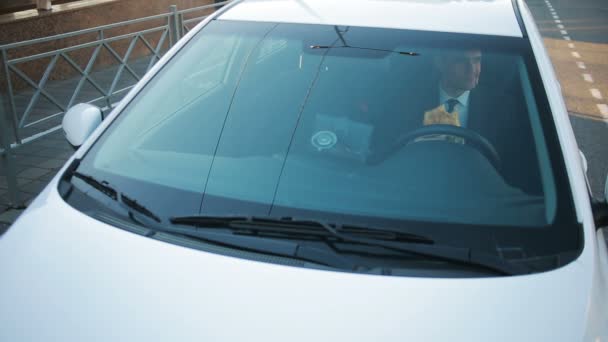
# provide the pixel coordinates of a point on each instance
(459, 74)
(452, 95)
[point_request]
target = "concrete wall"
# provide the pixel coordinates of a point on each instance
(80, 15)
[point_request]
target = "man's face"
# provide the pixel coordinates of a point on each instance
(460, 69)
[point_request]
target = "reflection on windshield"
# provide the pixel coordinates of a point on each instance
(269, 118)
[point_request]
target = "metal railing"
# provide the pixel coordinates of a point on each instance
(23, 123)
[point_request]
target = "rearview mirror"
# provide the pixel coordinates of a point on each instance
(79, 122)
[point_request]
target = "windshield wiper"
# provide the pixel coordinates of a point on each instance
(291, 226)
(289, 249)
(133, 204)
(102, 186)
(404, 243)
(105, 188)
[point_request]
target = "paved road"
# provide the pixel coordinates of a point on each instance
(576, 37)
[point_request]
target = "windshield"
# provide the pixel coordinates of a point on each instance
(354, 125)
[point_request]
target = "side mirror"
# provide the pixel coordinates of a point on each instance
(79, 122)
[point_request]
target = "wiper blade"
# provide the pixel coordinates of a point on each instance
(281, 248)
(289, 225)
(102, 186)
(105, 188)
(460, 255)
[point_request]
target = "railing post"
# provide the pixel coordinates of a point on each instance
(7, 159)
(180, 25)
(107, 95)
(11, 99)
(173, 23)
(43, 5)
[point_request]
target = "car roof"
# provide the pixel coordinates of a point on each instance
(490, 17)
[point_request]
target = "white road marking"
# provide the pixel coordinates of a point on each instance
(603, 109)
(596, 93)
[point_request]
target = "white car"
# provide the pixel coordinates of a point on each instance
(315, 170)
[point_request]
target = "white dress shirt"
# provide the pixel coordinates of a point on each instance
(462, 107)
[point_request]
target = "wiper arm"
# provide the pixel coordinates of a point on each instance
(133, 204)
(461, 255)
(287, 226)
(276, 247)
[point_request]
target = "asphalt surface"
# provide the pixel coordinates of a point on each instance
(576, 37)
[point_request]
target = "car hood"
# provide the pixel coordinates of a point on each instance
(69, 277)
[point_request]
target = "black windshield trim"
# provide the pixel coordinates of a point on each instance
(565, 223)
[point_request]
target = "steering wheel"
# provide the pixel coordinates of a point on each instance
(472, 139)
